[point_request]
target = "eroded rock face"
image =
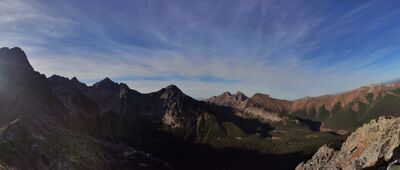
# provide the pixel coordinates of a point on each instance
(259, 106)
(375, 141)
(227, 99)
(320, 159)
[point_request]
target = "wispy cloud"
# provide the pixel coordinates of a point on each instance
(288, 49)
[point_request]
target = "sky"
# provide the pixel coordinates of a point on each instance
(286, 48)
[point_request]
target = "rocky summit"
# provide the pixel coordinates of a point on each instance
(61, 123)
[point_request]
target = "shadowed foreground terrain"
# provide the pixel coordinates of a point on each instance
(61, 123)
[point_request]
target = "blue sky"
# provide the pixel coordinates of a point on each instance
(288, 49)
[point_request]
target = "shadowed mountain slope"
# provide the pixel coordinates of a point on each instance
(62, 123)
(35, 127)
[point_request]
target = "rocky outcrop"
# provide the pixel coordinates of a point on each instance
(179, 108)
(227, 99)
(368, 146)
(259, 107)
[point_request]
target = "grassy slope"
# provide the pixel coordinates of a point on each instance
(384, 105)
(343, 119)
(313, 115)
(282, 141)
(291, 140)
(63, 151)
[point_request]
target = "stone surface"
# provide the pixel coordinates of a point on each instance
(369, 145)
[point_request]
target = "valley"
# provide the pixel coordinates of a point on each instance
(60, 123)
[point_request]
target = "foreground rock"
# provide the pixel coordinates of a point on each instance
(372, 145)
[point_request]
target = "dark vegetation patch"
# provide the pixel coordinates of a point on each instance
(396, 91)
(369, 97)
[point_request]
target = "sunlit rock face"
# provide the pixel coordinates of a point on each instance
(368, 146)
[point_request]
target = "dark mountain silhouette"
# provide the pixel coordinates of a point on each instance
(62, 123)
(37, 131)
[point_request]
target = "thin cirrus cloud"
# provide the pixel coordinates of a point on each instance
(288, 49)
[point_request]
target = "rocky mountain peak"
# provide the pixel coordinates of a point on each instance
(15, 72)
(173, 88)
(14, 58)
(226, 94)
(260, 95)
(170, 92)
(240, 96)
(228, 99)
(74, 79)
(124, 90)
(124, 86)
(56, 81)
(76, 82)
(107, 84)
(107, 81)
(180, 109)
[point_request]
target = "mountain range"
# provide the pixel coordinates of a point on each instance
(61, 123)
(339, 113)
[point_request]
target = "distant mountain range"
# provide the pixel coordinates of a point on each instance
(339, 113)
(62, 123)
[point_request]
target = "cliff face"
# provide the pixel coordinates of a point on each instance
(371, 145)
